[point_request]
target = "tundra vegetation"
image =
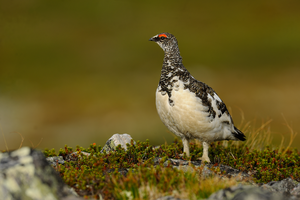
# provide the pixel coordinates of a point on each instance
(132, 174)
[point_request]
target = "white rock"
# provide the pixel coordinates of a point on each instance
(115, 140)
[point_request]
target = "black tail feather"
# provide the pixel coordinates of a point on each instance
(238, 134)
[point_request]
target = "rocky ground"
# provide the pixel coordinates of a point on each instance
(26, 174)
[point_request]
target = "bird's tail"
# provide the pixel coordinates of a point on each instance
(239, 134)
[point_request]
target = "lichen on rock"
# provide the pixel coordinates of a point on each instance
(26, 174)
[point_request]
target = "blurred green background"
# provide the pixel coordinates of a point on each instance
(77, 72)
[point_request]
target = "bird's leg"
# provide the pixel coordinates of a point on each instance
(186, 146)
(205, 153)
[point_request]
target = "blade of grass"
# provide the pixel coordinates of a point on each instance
(4, 137)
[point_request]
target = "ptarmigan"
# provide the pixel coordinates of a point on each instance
(190, 108)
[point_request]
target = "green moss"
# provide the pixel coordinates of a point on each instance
(49, 153)
(267, 165)
(100, 173)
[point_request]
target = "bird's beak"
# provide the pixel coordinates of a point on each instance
(151, 39)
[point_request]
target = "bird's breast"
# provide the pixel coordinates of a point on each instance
(181, 111)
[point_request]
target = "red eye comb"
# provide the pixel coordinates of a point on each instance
(162, 35)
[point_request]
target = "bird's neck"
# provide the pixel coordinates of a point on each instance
(172, 66)
(172, 56)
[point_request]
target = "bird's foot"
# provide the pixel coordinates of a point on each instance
(204, 159)
(183, 155)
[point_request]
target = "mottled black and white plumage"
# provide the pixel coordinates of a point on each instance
(190, 108)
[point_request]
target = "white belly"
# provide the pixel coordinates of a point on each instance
(188, 117)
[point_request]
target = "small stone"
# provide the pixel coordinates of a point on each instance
(156, 160)
(246, 192)
(176, 162)
(74, 155)
(285, 185)
(115, 140)
(206, 172)
(55, 159)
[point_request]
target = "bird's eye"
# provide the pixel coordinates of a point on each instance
(162, 37)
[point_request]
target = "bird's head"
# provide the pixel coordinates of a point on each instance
(166, 41)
